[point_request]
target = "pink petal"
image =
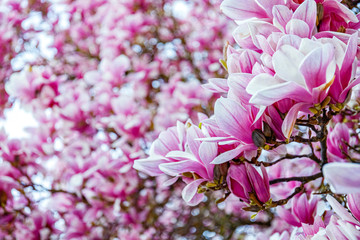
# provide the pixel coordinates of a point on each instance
(347, 64)
(288, 216)
(170, 181)
(298, 27)
(261, 82)
(269, 5)
(343, 178)
(282, 15)
(319, 66)
(310, 230)
(257, 181)
(237, 86)
(233, 119)
(307, 12)
(353, 201)
(240, 10)
(150, 165)
(344, 93)
(229, 155)
(260, 28)
(176, 168)
(341, 10)
(180, 155)
(193, 133)
(238, 181)
(291, 40)
(278, 92)
(290, 119)
(286, 63)
(342, 212)
(217, 85)
(190, 195)
(216, 139)
(207, 152)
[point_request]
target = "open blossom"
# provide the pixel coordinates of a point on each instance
(340, 226)
(302, 210)
(302, 77)
(173, 139)
(190, 160)
(332, 15)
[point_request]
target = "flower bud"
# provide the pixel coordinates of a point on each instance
(258, 138)
(220, 172)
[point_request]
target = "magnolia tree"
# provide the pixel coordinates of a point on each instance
(102, 79)
(261, 144)
(284, 137)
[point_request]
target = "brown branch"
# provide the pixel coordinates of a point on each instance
(303, 179)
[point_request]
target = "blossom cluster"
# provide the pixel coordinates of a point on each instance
(284, 136)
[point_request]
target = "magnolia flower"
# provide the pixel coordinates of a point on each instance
(260, 34)
(245, 182)
(239, 122)
(302, 210)
(341, 226)
(180, 154)
(336, 143)
(304, 73)
(173, 139)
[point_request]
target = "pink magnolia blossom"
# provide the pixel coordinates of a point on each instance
(337, 139)
(246, 183)
(303, 78)
(303, 210)
(341, 227)
(237, 121)
(173, 139)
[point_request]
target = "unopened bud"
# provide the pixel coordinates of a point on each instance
(320, 13)
(267, 130)
(258, 138)
(220, 172)
(188, 174)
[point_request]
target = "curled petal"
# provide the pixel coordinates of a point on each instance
(150, 165)
(290, 119)
(240, 10)
(176, 168)
(227, 156)
(190, 195)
